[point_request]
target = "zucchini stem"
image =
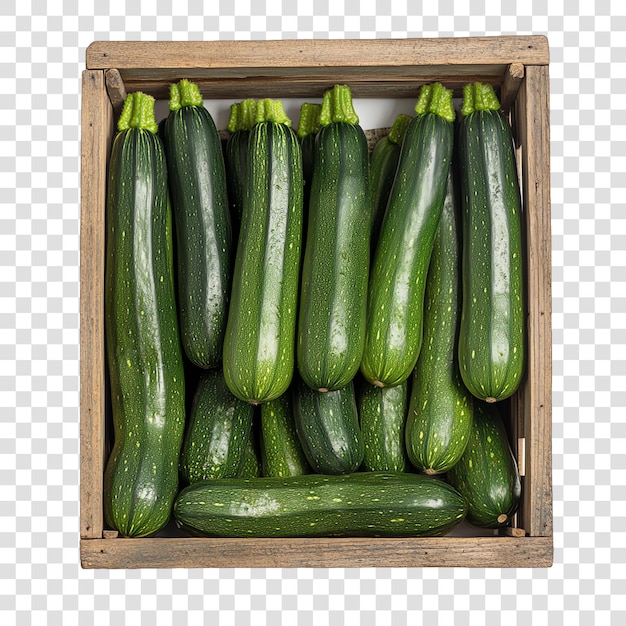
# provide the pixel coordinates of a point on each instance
(435, 98)
(242, 115)
(309, 123)
(185, 94)
(400, 124)
(479, 97)
(138, 112)
(268, 110)
(337, 106)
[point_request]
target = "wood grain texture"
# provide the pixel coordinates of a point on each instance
(512, 81)
(532, 117)
(116, 89)
(357, 552)
(307, 68)
(312, 53)
(96, 133)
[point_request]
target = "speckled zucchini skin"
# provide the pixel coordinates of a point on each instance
(487, 475)
(328, 428)
(366, 504)
(259, 346)
(331, 325)
(492, 336)
(400, 266)
(440, 413)
(281, 451)
(218, 429)
(203, 229)
(142, 340)
(382, 414)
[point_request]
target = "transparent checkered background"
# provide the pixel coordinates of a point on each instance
(42, 55)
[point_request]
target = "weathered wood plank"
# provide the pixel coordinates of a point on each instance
(533, 120)
(311, 53)
(362, 86)
(116, 89)
(512, 81)
(96, 132)
(354, 552)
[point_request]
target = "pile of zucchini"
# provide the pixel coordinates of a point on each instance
(305, 337)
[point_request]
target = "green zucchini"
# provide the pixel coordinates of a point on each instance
(331, 324)
(197, 182)
(327, 424)
(398, 278)
(144, 354)
(383, 164)
(218, 427)
(487, 475)
(259, 346)
(281, 451)
(241, 120)
(492, 335)
(365, 504)
(440, 412)
(308, 127)
(382, 413)
(251, 465)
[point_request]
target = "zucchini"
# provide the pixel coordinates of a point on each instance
(259, 346)
(219, 426)
(197, 183)
(382, 413)
(308, 127)
(487, 475)
(364, 504)
(241, 120)
(281, 451)
(492, 335)
(144, 355)
(383, 164)
(251, 465)
(440, 412)
(331, 324)
(327, 424)
(398, 278)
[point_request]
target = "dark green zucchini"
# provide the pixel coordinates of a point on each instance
(492, 335)
(259, 346)
(487, 475)
(197, 182)
(382, 414)
(398, 278)
(141, 330)
(308, 127)
(219, 425)
(241, 120)
(281, 451)
(383, 164)
(327, 424)
(364, 504)
(251, 465)
(331, 324)
(440, 412)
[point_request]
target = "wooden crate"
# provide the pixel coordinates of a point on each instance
(518, 68)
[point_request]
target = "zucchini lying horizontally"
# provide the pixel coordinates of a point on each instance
(367, 504)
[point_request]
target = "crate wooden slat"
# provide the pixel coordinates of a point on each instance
(299, 68)
(96, 134)
(518, 68)
(354, 552)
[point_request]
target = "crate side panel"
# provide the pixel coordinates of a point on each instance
(349, 552)
(533, 119)
(96, 132)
